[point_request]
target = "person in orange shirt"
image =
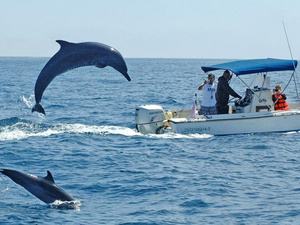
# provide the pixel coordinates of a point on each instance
(279, 99)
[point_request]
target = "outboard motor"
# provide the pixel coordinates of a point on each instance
(150, 119)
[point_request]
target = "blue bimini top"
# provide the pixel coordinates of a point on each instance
(250, 66)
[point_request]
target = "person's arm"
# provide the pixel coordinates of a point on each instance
(273, 98)
(202, 85)
(283, 96)
(230, 91)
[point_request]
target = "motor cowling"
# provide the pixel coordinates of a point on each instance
(150, 119)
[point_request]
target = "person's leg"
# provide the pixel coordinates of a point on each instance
(213, 110)
(223, 109)
(204, 110)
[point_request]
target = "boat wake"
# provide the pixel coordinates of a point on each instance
(18, 129)
(171, 135)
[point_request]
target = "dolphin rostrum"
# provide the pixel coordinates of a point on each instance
(74, 55)
(44, 189)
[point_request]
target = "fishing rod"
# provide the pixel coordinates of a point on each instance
(294, 74)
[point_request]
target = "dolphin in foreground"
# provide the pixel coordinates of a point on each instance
(44, 189)
(74, 55)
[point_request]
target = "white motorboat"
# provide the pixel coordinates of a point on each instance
(254, 113)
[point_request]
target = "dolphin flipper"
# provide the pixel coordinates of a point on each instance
(101, 65)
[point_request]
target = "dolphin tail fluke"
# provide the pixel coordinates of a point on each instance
(38, 108)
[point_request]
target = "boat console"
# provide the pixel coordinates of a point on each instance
(255, 100)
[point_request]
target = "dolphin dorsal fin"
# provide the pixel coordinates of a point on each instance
(64, 44)
(49, 176)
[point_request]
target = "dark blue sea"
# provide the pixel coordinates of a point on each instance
(89, 143)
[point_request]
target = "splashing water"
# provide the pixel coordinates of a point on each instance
(58, 204)
(28, 101)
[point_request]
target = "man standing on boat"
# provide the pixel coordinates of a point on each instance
(223, 92)
(208, 106)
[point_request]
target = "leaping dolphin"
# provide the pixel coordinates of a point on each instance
(74, 55)
(44, 189)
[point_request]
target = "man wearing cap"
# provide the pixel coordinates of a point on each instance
(223, 92)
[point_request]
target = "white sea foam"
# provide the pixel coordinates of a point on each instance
(180, 136)
(104, 130)
(23, 130)
(76, 204)
(2, 192)
(5, 190)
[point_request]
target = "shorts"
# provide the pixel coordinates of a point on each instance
(208, 110)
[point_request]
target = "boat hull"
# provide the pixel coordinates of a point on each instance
(246, 123)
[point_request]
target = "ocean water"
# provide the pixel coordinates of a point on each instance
(89, 143)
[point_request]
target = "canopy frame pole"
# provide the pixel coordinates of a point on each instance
(295, 82)
(294, 73)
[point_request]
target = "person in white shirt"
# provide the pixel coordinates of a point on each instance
(209, 88)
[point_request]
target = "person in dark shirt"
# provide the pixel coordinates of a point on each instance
(223, 92)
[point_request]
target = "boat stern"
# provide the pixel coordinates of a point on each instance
(150, 119)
